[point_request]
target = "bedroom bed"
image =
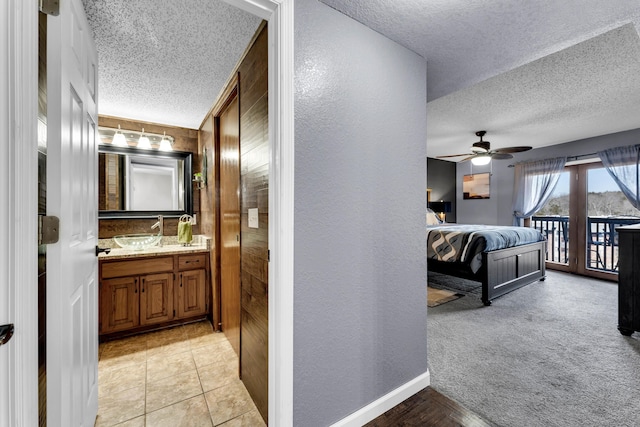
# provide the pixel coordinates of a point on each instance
(502, 258)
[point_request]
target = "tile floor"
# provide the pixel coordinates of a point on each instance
(183, 376)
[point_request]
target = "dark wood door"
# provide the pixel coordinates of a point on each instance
(119, 301)
(229, 125)
(156, 298)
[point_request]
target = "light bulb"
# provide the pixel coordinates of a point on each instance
(118, 139)
(144, 142)
(165, 144)
(481, 160)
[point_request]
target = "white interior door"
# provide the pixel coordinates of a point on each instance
(72, 285)
(18, 211)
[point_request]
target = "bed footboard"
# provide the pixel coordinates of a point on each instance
(508, 269)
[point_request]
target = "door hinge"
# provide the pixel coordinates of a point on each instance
(48, 229)
(50, 7)
(174, 313)
(268, 255)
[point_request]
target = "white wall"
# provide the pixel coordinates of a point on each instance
(360, 179)
(498, 209)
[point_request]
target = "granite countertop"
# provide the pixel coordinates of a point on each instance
(169, 246)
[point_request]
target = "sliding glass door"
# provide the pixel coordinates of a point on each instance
(580, 222)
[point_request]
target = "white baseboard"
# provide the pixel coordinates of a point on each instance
(386, 402)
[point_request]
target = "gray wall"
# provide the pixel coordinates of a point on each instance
(441, 179)
(360, 270)
(498, 209)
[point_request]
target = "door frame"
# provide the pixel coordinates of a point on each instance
(578, 193)
(18, 116)
(279, 14)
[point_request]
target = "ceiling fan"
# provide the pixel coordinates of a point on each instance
(481, 152)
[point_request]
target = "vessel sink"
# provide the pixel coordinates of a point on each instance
(137, 242)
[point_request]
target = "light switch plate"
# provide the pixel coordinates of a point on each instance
(253, 218)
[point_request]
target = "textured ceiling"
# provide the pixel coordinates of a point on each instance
(468, 41)
(166, 61)
(530, 72)
(590, 89)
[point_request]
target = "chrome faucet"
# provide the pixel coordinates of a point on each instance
(159, 224)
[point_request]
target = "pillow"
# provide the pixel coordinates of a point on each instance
(432, 218)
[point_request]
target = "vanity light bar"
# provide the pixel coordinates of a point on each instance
(131, 138)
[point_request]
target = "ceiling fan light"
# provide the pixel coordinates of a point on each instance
(481, 160)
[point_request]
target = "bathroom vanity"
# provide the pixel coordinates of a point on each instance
(153, 288)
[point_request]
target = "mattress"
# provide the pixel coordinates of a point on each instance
(466, 243)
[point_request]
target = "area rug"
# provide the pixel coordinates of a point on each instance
(436, 297)
(454, 284)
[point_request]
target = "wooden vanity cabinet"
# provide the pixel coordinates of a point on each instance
(192, 287)
(119, 304)
(137, 294)
(156, 298)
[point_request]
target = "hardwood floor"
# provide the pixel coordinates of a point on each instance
(429, 408)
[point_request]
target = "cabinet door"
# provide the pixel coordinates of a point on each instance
(192, 293)
(156, 298)
(119, 302)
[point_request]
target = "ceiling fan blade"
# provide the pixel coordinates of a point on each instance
(468, 158)
(454, 155)
(479, 150)
(512, 149)
(501, 156)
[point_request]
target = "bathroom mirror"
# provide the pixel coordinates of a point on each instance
(136, 183)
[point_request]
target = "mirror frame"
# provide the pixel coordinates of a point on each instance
(186, 156)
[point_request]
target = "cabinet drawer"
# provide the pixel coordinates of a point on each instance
(141, 266)
(190, 262)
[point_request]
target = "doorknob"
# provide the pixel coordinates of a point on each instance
(99, 249)
(6, 332)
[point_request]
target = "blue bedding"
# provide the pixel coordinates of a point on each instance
(465, 243)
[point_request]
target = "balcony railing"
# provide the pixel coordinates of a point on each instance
(556, 229)
(602, 239)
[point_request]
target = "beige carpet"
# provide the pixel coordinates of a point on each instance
(546, 355)
(436, 297)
